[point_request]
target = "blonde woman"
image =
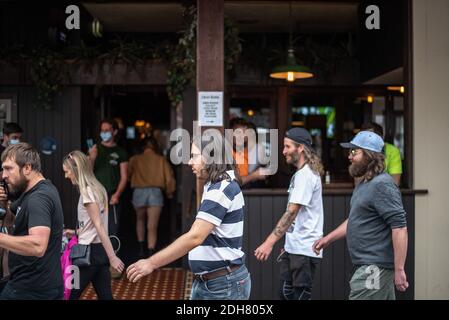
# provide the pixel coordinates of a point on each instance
(92, 227)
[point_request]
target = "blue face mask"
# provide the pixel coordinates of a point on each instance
(106, 136)
(14, 141)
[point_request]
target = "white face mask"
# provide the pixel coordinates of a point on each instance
(106, 136)
(14, 141)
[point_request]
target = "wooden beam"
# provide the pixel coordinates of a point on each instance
(283, 126)
(408, 165)
(209, 54)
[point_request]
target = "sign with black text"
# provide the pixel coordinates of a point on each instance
(210, 108)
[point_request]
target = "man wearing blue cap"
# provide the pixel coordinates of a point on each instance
(376, 230)
(302, 223)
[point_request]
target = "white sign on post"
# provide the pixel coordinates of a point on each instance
(210, 108)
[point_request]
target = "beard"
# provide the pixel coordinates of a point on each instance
(16, 190)
(358, 169)
(294, 158)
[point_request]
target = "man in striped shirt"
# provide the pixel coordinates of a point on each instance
(214, 242)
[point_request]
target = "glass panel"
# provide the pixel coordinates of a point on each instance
(399, 134)
(256, 111)
(378, 111)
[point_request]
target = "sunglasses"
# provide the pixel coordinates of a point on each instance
(354, 152)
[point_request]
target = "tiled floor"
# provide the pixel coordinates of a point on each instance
(163, 284)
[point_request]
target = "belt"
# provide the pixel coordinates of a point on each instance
(216, 274)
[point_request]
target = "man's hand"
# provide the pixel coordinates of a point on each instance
(3, 194)
(319, 245)
(400, 280)
(259, 174)
(263, 251)
(93, 152)
(139, 269)
(114, 199)
(69, 233)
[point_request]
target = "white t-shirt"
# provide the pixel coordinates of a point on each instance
(87, 233)
(305, 190)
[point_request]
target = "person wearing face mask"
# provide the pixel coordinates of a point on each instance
(110, 164)
(12, 134)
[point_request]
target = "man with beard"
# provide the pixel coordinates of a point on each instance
(376, 230)
(302, 223)
(35, 244)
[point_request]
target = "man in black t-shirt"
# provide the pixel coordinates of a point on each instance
(35, 243)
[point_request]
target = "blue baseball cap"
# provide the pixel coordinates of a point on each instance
(365, 140)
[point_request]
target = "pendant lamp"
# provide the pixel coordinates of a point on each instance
(291, 70)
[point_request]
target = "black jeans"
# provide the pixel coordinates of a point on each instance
(98, 273)
(10, 293)
(297, 272)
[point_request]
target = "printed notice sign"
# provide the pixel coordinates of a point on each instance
(210, 108)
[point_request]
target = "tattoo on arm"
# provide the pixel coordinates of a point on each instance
(284, 223)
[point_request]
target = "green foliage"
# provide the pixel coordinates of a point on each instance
(49, 68)
(181, 58)
(181, 62)
(46, 74)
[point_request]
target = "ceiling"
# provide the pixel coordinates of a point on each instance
(394, 77)
(250, 16)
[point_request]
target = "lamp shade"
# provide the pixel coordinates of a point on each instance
(291, 71)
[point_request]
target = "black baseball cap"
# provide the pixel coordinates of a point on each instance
(299, 135)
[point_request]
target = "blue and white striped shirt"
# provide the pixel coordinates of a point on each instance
(222, 205)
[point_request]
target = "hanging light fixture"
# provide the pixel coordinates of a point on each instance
(291, 71)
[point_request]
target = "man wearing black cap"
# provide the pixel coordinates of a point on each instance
(302, 223)
(376, 230)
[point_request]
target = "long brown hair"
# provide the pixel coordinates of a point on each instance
(216, 170)
(313, 160)
(376, 164)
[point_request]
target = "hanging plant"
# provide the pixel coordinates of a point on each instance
(47, 75)
(181, 64)
(233, 45)
(181, 67)
(49, 68)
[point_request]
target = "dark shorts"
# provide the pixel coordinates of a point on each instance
(11, 293)
(298, 269)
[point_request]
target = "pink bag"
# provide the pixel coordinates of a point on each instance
(66, 263)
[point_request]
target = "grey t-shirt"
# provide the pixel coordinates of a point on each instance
(376, 209)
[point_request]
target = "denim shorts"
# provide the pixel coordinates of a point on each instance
(148, 197)
(233, 286)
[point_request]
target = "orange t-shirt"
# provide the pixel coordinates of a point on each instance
(241, 160)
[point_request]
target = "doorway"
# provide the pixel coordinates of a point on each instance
(140, 111)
